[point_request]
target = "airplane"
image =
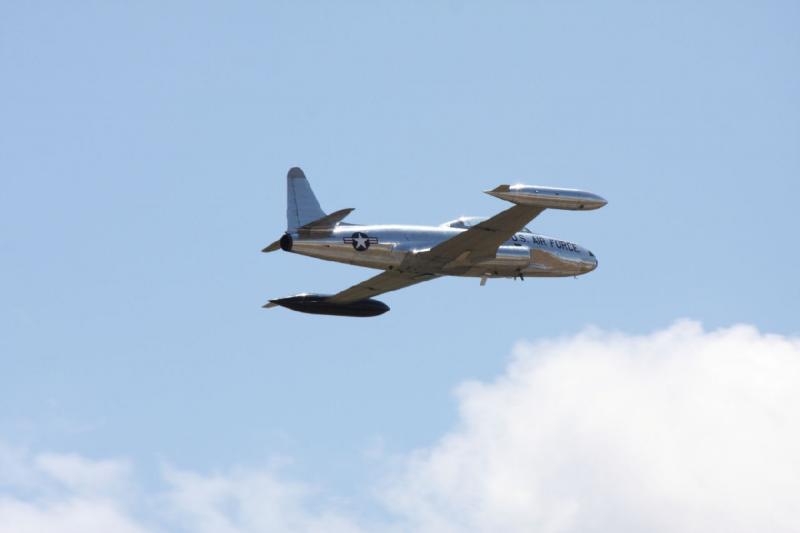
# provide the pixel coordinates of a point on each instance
(498, 247)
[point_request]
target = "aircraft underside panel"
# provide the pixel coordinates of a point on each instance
(509, 261)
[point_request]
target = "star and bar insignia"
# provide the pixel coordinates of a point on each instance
(360, 241)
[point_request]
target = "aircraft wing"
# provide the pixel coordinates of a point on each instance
(481, 240)
(390, 280)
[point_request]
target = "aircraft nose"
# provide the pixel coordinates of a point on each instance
(589, 263)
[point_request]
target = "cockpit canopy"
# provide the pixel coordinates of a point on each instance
(468, 222)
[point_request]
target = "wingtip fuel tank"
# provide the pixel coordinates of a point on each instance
(319, 304)
(549, 197)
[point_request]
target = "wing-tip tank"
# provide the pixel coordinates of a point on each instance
(549, 197)
(319, 304)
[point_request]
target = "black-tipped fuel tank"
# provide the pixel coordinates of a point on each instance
(318, 304)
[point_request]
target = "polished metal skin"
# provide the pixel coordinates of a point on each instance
(385, 246)
(496, 247)
(571, 199)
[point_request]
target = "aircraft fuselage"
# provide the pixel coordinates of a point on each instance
(387, 246)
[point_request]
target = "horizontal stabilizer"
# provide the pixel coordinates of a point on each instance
(272, 247)
(328, 221)
(285, 242)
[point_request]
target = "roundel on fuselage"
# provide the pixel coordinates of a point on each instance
(359, 240)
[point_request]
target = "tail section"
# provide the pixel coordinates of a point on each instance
(302, 206)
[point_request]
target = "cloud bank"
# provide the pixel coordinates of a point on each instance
(681, 430)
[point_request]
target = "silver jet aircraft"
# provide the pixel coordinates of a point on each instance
(497, 247)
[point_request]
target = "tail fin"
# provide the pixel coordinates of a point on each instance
(302, 206)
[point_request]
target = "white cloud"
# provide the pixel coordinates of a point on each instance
(678, 431)
(81, 475)
(248, 501)
(70, 515)
(63, 493)
(66, 493)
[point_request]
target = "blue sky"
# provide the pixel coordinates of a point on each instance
(143, 153)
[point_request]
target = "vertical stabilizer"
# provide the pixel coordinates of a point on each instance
(302, 206)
